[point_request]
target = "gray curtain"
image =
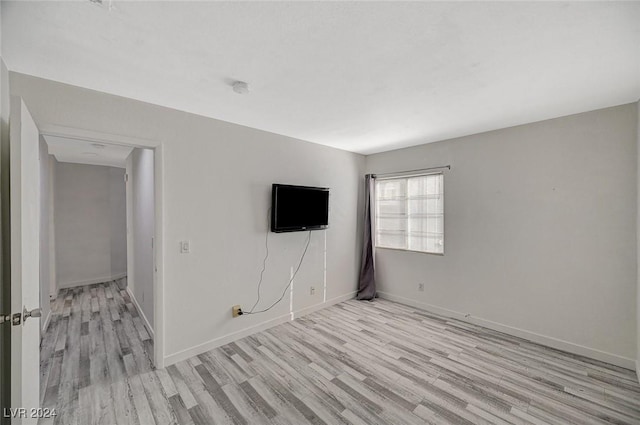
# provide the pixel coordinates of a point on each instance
(367, 283)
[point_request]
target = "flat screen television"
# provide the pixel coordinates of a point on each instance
(299, 208)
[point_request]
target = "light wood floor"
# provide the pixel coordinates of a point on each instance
(353, 363)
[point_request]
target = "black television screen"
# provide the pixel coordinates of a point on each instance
(298, 208)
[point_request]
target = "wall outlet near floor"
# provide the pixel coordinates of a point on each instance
(312, 290)
(236, 311)
(421, 287)
(185, 247)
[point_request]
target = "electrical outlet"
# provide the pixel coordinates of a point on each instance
(421, 287)
(236, 311)
(185, 247)
(312, 290)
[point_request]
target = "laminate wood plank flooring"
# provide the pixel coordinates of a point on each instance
(353, 363)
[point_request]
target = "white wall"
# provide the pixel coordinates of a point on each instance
(141, 227)
(216, 184)
(539, 232)
(45, 234)
(83, 223)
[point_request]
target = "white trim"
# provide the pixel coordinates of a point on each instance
(325, 304)
(217, 342)
(108, 278)
(53, 288)
(552, 342)
(145, 321)
(441, 254)
(157, 146)
(234, 336)
(374, 212)
(93, 136)
(158, 282)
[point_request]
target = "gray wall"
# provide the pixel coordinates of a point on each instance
(539, 232)
(142, 221)
(84, 226)
(118, 217)
(216, 186)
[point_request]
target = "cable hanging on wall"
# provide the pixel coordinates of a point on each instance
(264, 266)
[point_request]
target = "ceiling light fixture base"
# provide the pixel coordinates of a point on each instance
(240, 87)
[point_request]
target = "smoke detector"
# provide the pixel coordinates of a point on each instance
(240, 87)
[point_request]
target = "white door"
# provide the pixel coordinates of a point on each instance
(25, 263)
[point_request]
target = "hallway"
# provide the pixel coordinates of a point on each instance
(96, 354)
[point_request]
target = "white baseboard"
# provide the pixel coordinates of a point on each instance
(552, 342)
(217, 342)
(234, 336)
(145, 321)
(316, 307)
(108, 278)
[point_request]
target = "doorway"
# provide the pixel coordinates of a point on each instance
(143, 168)
(28, 270)
(98, 266)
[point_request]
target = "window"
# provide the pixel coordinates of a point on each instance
(410, 213)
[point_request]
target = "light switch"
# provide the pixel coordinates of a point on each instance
(185, 247)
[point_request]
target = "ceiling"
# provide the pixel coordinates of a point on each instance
(361, 76)
(83, 152)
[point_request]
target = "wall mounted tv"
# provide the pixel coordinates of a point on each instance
(299, 208)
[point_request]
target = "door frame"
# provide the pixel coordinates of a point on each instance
(158, 281)
(24, 187)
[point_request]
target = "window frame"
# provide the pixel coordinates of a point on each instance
(375, 211)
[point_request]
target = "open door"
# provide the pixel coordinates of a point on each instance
(25, 265)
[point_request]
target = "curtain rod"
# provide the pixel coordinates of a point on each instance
(422, 170)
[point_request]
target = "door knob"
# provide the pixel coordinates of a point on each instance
(36, 312)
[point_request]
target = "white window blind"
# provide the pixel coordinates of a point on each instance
(410, 213)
